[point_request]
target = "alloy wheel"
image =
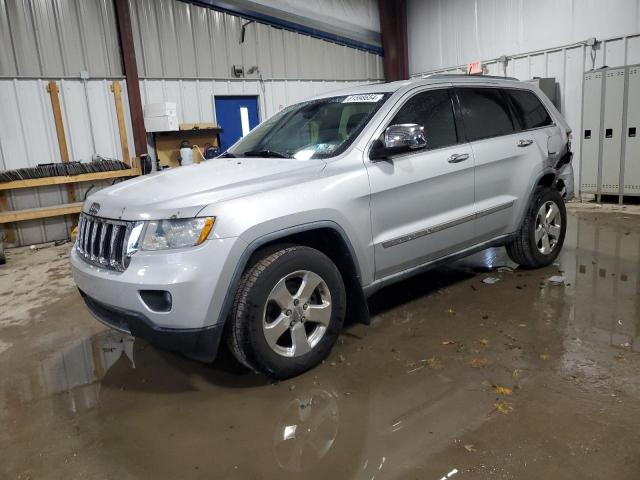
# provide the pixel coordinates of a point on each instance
(548, 227)
(297, 313)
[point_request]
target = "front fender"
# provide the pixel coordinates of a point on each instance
(238, 259)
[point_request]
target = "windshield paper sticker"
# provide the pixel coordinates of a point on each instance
(365, 98)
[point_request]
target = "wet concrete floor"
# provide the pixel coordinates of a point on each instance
(520, 379)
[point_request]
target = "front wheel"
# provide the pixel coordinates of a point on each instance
(288, 312)
(541, 235)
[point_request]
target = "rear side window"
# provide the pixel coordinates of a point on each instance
(433, 110)
(485, 113)
(528, 109)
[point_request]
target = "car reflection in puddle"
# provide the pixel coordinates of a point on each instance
(412, 395)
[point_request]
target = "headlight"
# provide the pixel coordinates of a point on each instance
(176, 233)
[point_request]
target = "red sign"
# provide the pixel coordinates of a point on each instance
(474, 68)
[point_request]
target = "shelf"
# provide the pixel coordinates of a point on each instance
(198, 126)
(61, 180)
(43, 212)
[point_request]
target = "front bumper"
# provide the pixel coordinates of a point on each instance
(197, 343)
(199, 280)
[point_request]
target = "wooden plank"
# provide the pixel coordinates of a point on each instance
(199, 126)
(52, 88)
(85, 177)
(10, 235)
(122, 128)
(42, 212)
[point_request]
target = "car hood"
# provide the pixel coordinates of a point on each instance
(182, 192)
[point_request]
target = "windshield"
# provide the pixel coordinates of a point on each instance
(315, 129)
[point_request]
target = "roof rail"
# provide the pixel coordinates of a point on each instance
(464, 75)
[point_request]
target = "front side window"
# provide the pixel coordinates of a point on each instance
(484, 112)
(315, 129)
(528, 109)
(433, 110)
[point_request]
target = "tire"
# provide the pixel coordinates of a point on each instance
(272, 311)
(528, 247)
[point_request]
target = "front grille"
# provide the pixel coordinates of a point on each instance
(102, 242)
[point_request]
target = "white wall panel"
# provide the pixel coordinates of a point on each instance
(542, 38)
(633, 50)
(28, 138)
(194, 98)
(442, 33)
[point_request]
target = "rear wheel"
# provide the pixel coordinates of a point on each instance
(288, 312)
(541, 235)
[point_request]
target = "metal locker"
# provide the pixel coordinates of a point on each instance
(631, 177)
(612, 131)
(591, 124)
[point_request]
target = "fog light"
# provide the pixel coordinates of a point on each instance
(156, 300)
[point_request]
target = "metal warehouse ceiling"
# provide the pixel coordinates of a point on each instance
(352, 22)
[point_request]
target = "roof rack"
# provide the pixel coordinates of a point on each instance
(464, 75)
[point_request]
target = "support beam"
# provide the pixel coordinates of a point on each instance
(393, 24)
(124, 143)
(53, 90)
(128, 54)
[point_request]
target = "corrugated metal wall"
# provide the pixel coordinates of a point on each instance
(58, 38)
(185, 54)
(566, 64)
(542, 38)
(194, 98)
(180, 40)
(28, 137)
(444, 33)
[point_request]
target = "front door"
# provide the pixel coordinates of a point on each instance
(422, 202)
(236, 115)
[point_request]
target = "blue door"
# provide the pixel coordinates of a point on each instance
(236, 115)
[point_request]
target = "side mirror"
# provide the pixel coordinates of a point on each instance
(406, 136)
(398, 139)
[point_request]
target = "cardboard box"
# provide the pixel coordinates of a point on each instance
(165, 123)
(162, 109)
(161, 117)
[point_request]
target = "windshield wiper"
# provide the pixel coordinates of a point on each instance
(227, 155)
(265, 153)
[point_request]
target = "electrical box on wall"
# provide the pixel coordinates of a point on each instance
(548, 87)
(610, 158)
(161, 117)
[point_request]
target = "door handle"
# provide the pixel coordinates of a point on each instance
(524, 142)
(458, 157)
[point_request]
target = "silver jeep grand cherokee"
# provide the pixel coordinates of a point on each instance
(271, 245)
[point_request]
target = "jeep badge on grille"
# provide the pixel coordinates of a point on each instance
(94, 208)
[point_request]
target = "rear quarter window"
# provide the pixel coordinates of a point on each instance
(528, 109)
(485, 113)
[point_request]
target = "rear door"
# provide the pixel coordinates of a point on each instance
(422, 201)
(506, 159)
